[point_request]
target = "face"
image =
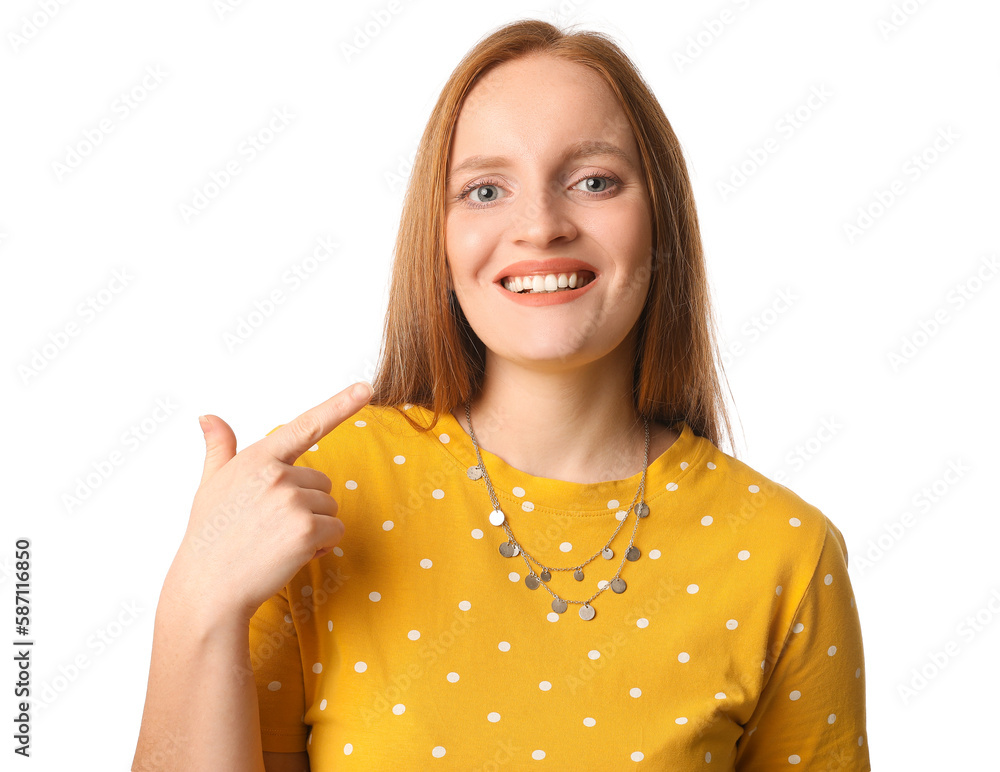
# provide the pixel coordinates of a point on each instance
(538, 198)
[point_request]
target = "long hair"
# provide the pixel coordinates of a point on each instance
(430, 355)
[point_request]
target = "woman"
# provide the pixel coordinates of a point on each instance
(526, 545)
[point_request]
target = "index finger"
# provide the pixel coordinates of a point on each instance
(291, 440)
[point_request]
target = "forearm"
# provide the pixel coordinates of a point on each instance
(201, 709)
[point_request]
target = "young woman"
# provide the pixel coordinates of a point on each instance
(526, 546)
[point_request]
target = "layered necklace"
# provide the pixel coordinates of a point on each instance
(511, 548)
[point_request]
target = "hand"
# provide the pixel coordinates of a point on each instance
(257, 518)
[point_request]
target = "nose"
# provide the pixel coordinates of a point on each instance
(542, 216)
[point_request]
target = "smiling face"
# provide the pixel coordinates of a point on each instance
(557, 186)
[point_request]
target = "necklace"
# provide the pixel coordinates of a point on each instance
(511, 548)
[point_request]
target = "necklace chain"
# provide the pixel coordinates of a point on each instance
(641, 509)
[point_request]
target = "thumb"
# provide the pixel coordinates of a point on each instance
(220, 444)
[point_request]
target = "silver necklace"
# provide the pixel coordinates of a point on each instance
(511, 548)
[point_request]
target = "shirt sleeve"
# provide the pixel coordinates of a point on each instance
(811, 710)
(277, 668)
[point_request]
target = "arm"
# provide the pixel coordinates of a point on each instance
(201, 702)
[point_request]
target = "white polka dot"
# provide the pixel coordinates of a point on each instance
(613, 503)
(413, 635)
(753, 488)
(329, 625)
(375, 596)
(743, 554)
(680, 720)
(692, 589)
(777, 590)
(322, 705)
(798, 628)
(538, 755)
(314, 448)
(464, 605)
(603, 584)
(683, 657)
(710, 465)
(552, 616)
(517, 490)
(828, 579)
(359, 422)
(347, 749)
(544, 686)
(637, 756)
(671, 486)
(444, 438)
(351, 485)
(857, 673)
(732, 624)
(399, 459)
(565, 547)
(338, 552)
(642, 622)
(594, 654)
(288, 618)
(306, 591)
(860, 740)
(621, 514)
(831, 718)
(477, 534)
(706, 520)
(684, 464)
(426, 563)
(503, 646)
(720, 695)
(794, 695)
(635, 691)
(437, 493)
(438, 751)
(514, 576)
(398, 709)
(588, 721)
(831, 651)
(528, 506)
(318, 667)
(794, 522)
(274, 686)
(708, 757)
(793, 759)
(387, 525)
(493, 717)
(654, 554)
(452, 677)
(360, 666)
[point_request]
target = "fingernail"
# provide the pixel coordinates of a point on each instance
(204, 424)
(362, 390)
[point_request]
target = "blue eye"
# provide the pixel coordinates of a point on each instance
(478, 185)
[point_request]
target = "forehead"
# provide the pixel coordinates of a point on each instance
(535, 104)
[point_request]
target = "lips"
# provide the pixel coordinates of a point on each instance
(543, 267)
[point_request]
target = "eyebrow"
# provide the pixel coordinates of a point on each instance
(583, 149)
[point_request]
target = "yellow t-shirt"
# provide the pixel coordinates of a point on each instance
(416, 644)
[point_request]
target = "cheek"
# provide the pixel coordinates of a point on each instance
(467, 244)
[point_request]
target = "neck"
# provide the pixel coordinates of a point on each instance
(574, 425)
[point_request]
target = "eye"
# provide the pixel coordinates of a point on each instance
(481, 188)
(597, 178)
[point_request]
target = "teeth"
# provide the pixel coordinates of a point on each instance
(549, 283)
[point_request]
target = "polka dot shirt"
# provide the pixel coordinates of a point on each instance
(416, 644)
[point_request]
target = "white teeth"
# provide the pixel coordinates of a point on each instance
(548, 283)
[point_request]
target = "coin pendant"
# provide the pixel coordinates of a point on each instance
(587, 612)
(559, 605)
(507, 549)
(642, 509)
(474, 472)
(531, 581)
(632, 554)
(578, 575)
(496, 517)
(608, 553)
(618, 585)
(545, 576)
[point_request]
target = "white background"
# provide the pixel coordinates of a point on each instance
(896, 74)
